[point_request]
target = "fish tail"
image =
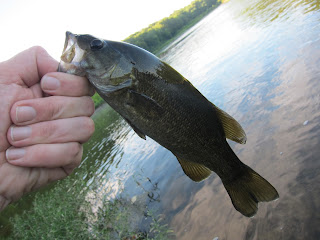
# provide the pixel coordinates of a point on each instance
(248, 189)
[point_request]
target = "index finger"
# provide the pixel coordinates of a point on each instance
(29, 66)
(64, 84)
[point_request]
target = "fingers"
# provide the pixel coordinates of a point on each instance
(35, 63)
(78, 129)
(57, 83)
(30, 65)
(67, 155)
(30, 111)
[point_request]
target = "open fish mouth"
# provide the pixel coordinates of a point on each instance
(71, 56)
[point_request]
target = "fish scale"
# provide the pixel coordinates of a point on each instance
(159, 102)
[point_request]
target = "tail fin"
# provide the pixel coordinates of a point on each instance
(249, 189)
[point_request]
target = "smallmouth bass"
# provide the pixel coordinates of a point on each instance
(159, 102)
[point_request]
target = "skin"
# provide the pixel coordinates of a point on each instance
(43, 144)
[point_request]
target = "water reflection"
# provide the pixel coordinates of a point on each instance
(269, 82)
(258, 60)
(265, 12)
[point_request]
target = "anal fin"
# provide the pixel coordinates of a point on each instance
(195, 171)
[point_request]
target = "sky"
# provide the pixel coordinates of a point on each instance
(27, 23)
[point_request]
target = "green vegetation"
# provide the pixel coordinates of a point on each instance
(161, 33)
(78, 207)
(154, 37)
(66, 213)
(98, 101)
(63, 211)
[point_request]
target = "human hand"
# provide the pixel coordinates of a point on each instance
(40, 137)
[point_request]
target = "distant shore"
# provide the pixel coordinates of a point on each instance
(163, 46)
(161, 34)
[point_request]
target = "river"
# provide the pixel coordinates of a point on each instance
(258, 60)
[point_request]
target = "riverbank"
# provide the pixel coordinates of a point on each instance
(98, 101)
(164, 45)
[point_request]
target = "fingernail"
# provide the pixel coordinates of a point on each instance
(15, 153)
(49, 83)
(25, 113)
(20, 133)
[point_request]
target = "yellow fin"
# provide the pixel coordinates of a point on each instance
(249, 189)
(197, 172)
(232, 128)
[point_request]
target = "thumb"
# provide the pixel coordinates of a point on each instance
(30, 66)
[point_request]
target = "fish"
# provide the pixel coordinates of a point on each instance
(158, 102)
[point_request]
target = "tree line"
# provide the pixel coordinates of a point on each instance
(156, 34)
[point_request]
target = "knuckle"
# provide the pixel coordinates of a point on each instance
(91, 106)
(88, 126)
(38, 50)
(75, 152)
(55, 109)
(46, 129)
(88, 105)
(4, 143)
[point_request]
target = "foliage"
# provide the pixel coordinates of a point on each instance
(158, 34)
(158, 229)
(55, 214)
(153, 37)
(98, 101)
(65, 212)
(62, 213)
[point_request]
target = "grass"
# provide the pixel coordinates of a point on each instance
(98, 101)
(65, 212)
(55, 215)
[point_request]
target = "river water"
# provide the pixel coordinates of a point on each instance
(258, 60)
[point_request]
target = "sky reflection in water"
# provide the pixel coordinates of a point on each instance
(259, 61)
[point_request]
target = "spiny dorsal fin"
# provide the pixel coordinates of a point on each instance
(197, 172)
(232, 128)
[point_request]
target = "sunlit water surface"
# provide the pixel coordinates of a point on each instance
(260, 62)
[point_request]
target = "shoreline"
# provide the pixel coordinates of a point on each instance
(98, 101)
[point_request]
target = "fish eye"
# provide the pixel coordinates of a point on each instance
(96, 44)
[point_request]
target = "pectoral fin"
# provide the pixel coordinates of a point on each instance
(197, 172)
(232, 128)
(143, 105)
(137, 130)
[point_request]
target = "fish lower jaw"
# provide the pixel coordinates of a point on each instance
(71, 68)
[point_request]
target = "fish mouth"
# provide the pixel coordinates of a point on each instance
(71, 56)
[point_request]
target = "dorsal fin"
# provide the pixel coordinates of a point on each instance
(197, 172)
(232, 128)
